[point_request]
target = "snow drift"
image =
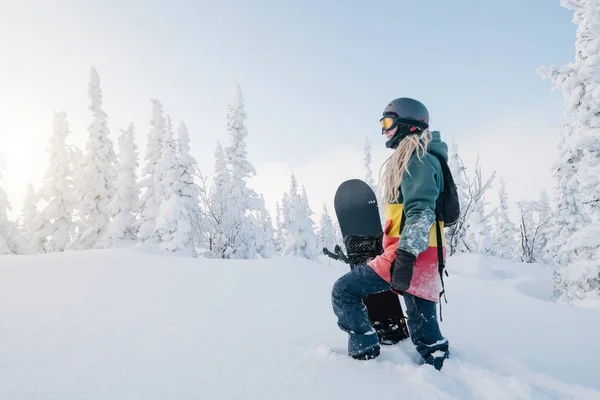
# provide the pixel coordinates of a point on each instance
(140, 324)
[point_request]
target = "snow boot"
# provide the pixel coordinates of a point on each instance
(369, 354)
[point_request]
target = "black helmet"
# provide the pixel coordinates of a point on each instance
(409, 115)
(409, 111)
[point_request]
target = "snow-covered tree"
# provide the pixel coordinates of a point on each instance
(577, 169)
(367, 160)
(279, 231)
(301, 240)
(479, 238)
(11, 241)
(152, 196)
(28, 214)
(76, 166)
(469, 233)
(545, 235)
(174, 223)
(505, 232)
(190, 190)
(264, 236)
(370, 181)
(96, 187)
(53, 225)
(533, 222)
(326, 233)
(124, 204)
(237, 229)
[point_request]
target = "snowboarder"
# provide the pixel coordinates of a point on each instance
(409, 264)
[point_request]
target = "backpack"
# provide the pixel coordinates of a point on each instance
(447, 207)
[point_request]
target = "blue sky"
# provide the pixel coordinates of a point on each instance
(315, 77)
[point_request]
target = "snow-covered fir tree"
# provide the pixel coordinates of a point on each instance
(76, 166)
(369, 179)
(578, 167)
(11, 241)
(505, 231)
(28, 214)
(326, 233)
(279, 238)
(301, 240)
(264, 237)
(124, 204)
(240, 229)
(367, 160)
(215, 207)
(150, 183)
(96, 187)
(53, 225)
(174, 223)
(190, 190)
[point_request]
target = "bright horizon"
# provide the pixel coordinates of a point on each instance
(315, 78)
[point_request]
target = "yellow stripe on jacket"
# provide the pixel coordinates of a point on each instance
(393, 213)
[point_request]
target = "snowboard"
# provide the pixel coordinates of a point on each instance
(358, 217)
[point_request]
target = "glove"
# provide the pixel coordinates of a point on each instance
(402, 271)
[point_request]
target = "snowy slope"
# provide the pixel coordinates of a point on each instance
(132, 324)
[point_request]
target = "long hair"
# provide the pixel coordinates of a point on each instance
(397, 163)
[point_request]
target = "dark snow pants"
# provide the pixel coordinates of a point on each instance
(348, 294)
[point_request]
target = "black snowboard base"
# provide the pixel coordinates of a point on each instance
(357, 213)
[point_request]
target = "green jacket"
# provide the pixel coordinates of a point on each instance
(419, 190)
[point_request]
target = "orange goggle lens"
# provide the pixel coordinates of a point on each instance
(387, 123)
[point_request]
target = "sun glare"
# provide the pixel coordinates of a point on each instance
(23, 161)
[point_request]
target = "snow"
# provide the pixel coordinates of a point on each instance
(141, 323)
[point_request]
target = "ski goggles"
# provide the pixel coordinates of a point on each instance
(388, 123)
(391, 121)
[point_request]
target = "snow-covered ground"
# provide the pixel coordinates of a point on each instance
(135, 324)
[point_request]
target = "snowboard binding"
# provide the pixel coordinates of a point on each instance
(391, 330)
(360, 249)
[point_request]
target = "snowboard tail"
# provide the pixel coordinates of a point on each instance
(357, 213)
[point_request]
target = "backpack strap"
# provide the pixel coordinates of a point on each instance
(441, 263)
(402, 221)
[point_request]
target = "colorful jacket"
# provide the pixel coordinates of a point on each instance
(419, 190)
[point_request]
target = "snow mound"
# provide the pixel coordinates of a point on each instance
(136, 324)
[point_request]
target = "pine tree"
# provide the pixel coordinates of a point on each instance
(96, 188)
(76, 166)
(28, 214)
(53, 225)
(578, 167)
(301, 240)
(215, 207)
(505, 243)
(240, 199)
(124, 204)
(190, 190)
(152, 196)
(174, 224)
(264, 235)
(279, 231)
(326, 233)
(370, 181)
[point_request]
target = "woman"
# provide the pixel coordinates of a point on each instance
(409, 264)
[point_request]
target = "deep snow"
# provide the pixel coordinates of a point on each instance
(140, 324)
